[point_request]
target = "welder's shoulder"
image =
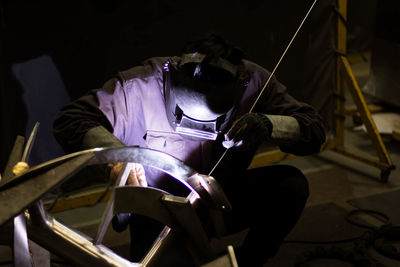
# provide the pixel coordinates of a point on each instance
(150, 68)
(258, 74)
(253, 68)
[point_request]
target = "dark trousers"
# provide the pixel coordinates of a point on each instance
(267, 200)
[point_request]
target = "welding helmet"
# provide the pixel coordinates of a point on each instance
(200, 97)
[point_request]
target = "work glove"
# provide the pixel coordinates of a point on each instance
(250, 129)
(100, 137)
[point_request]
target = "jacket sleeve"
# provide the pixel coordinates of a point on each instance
(81, 118)
(277, 101)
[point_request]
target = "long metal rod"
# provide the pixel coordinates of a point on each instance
(270, 76)
(283, 55)
(216, 164)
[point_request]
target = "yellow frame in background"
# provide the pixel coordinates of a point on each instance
(345, 79)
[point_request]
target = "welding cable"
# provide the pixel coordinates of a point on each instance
(380, 238)
(350, 219)
(346, 240)
(383, 236)
(356, 257)
(381, 216)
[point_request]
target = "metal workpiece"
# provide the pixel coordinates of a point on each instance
(189, 222)
(20, 244)
(18, 239)
(15, 156)
(158, 204)
(21, 253)
(177, 213)
(108, 211)
(69, 244)
(160, 246)
(207, 187)
(149, 157)
(229, 259)
(144, 201)
(43, 167)
(210, 191)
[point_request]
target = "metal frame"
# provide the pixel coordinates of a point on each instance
(20, 201)
(345, 80)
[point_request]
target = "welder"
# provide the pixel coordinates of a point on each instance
(194, 107)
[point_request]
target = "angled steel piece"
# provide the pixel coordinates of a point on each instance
(108, 211)
(21, 253)
(15, 156)
(144, 201)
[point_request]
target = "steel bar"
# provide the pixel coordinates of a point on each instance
(108, 211)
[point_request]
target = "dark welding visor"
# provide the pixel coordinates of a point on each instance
(199, 98)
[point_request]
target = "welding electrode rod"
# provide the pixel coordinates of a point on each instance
(215, 166)
(282, 56)
(270, 76)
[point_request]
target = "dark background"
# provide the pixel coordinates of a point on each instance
(82, 44)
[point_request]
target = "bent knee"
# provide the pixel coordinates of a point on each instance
(297, 181)
(290, 180)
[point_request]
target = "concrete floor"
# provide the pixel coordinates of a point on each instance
(353, 180)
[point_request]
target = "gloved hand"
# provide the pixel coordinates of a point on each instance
(136, 176)
(250, 129)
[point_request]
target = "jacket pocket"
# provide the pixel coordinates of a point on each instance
(170, 143)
